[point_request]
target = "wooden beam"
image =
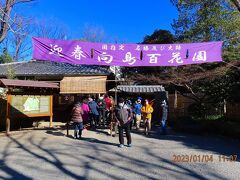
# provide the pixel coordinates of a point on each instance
(51, 111)
(8, 120)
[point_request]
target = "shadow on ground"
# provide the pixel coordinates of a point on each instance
(91, 152)
(216, 144)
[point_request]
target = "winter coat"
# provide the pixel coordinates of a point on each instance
(137, 108)
(108, 102)
(147, 111)
(93, 107)
(86, 110)
(102, 104)
(76, 115)
(123, 114)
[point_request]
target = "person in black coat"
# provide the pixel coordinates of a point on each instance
(123, 115)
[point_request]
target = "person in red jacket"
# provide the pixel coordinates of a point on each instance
(108, 107)
(108, 102)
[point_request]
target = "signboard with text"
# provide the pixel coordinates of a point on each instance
(130, 55)
(32, 106)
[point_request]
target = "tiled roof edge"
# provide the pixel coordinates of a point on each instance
(21, 62)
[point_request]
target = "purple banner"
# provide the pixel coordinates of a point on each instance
(77, 52)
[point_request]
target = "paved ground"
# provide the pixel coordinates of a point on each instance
(48, 154)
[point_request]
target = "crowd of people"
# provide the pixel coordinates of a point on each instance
(103, 112)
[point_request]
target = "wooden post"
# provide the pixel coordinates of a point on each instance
(175, 105)
(68, 128)
(115, 93)
(175, 100)
(225, 108)
(8, 121)
(51, 111)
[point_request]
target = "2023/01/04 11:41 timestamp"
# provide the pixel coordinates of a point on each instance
(205, 158)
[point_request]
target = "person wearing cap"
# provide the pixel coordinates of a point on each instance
(147, 110)
(137, 112)
(123, 116)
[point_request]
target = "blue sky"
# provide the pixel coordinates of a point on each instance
(124, 20)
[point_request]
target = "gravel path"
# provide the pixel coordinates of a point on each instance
(48, 154)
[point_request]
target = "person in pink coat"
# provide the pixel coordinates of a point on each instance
(86, 110)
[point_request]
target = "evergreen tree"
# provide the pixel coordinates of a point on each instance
(207, 20)
(159, 36)
(5, 57)
(201, 21)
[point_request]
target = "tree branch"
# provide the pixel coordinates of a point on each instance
(236, 3)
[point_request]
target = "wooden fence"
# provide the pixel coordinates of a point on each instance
(233, 111)
(3, 110)
(179, 107)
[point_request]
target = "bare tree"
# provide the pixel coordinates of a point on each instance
(236, 4)
(22, 28)
(185, 77)
(6, 21)
(93, 34)
(20, 39)
(50, 28)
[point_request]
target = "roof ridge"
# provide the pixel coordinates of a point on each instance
(139, 85)
(6, 64)
(42, 67)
